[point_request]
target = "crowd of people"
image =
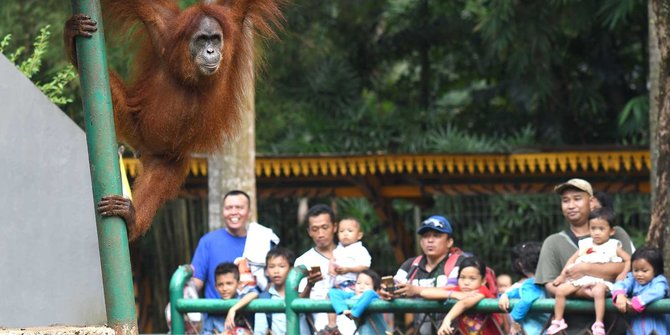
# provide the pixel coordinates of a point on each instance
(592, 258)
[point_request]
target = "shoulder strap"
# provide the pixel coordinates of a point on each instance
(572, 236)
(455, 254)
(414, 268)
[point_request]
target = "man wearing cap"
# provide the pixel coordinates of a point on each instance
(427, 270)
(576, 198)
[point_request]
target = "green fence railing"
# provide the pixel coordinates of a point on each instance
(293, 306)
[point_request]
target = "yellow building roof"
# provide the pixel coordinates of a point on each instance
(473, 164)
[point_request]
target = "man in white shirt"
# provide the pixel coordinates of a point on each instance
(321, 227)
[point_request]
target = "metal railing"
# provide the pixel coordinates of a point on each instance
(293, 306)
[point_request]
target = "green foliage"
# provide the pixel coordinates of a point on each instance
(55, 89)
(5, 42)
(399, 76)
(30, 66)
(633, 121)
(577, 70)
(452, 139)
(617, 12)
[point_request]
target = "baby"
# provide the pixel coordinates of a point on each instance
(365, 292)
(599, 248)
(504, 282)
(350, 257)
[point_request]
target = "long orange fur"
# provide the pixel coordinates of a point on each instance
(167, 111)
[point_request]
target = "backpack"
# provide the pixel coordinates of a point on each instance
(455, 254)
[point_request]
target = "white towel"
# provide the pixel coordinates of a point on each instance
(256, 248)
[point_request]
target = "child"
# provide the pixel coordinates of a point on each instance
(504, 282)
(278, 263)
(365, 291)
(470, 290)
(227, 277)
(349, 258)
(598, 248)
(645, 284)
(524, 262)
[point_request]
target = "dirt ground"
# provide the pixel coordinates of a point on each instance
(57, 330)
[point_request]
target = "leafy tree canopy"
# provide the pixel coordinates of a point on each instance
(471, 75)
(427, 75)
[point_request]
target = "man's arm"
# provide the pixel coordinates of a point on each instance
(199, 265)
(198, 284)
(549, 265)
(356, 269)
(306, 291)
(312, 278)
(598, 270)
(563, 276)
(623, 237)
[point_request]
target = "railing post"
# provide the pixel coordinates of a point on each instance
(106, 178)
(292, 305)
(291, 293)
(179, 278)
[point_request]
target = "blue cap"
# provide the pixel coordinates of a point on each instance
(437, 223)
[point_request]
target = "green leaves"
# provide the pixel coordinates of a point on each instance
(5, 42)
(616, 12)
(55, 89)
(30, 66)
(456, 76)
(633, 121)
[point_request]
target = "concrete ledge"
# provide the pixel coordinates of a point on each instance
(57, 330)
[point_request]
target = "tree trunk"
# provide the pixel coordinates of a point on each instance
(234, 167)
(660, 128)
(654, 58)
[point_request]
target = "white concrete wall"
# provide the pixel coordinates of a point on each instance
(49, 259)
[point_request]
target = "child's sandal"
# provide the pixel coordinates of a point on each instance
(598, 328)
(557, 326)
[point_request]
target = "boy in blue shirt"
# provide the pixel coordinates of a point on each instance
(227, 278)
(278, 263)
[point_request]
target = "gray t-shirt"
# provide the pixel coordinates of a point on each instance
(556, 250)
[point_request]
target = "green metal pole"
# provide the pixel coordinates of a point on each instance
(291, 294)
(102, 152)
(575, 306)
(177, 282)
(221, 305)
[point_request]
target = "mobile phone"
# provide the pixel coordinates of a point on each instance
(389, 283)
(315, 269)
